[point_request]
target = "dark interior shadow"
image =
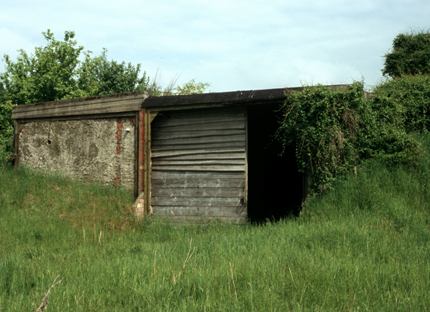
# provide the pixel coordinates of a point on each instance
(275, 186)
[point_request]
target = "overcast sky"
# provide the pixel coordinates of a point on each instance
(231, 44)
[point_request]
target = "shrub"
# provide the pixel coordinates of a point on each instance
(334, 129)
(323, 125)
(6, 132)
(405, 102)
(410, 55)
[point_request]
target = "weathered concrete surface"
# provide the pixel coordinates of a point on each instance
(101, 150)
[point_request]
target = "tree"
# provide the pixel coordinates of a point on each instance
(410, 55)
(56, 71)
(63, 69)
(99, 76)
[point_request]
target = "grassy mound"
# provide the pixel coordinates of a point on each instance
(364, 245)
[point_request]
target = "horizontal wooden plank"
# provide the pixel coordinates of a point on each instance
(69, 107)
(231, 125)
(159, 135)
(83, 108)
(203, 157)
(101, 109)
(80, 101)
(168, 190)
(131, 114)
(199, 140)
(196, 202)
(210, 116)
(202, 220)
(190, 176)
(236, 168)
(199, 153)
(197, 162)
(199, 117)
(198, 182)
(199, 212)
(196, 125)
(206, 146)
(217, 112)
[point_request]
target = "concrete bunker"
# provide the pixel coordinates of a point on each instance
(187, 158)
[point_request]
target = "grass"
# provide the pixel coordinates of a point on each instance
(365, 246)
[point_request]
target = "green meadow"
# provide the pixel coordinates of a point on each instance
(363, 246)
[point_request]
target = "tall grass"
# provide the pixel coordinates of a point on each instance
(363, 246)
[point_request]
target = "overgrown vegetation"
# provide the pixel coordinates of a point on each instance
(404, 102)
(363, 246)
(325, 126)
(6, 132)
(334, 129)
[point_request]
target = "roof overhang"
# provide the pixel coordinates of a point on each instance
(80, 107)
(131, 103)
(175, 102)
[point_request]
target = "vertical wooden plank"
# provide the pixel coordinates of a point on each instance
(136, 155)
(139, 204)
(148, 117)
(246, 164)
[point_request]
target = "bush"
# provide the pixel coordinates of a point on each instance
(392, 145)
(323, 124)
(405, 102)
(410, 55)
(334, 129)
(6, 132)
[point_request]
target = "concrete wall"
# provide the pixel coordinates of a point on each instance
(102, 150)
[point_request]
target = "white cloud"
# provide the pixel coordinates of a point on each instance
(237, 44)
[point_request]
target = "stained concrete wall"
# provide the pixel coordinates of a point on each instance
(101, 150)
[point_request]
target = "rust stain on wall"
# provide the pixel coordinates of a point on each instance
(118, 136)
(117, 180)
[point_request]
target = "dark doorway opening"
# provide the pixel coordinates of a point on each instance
(275, 186)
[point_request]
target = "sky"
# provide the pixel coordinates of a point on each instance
(230, 44)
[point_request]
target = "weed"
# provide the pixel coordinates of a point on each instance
(364, 245)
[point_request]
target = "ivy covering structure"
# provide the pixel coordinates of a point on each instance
(334, 129)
